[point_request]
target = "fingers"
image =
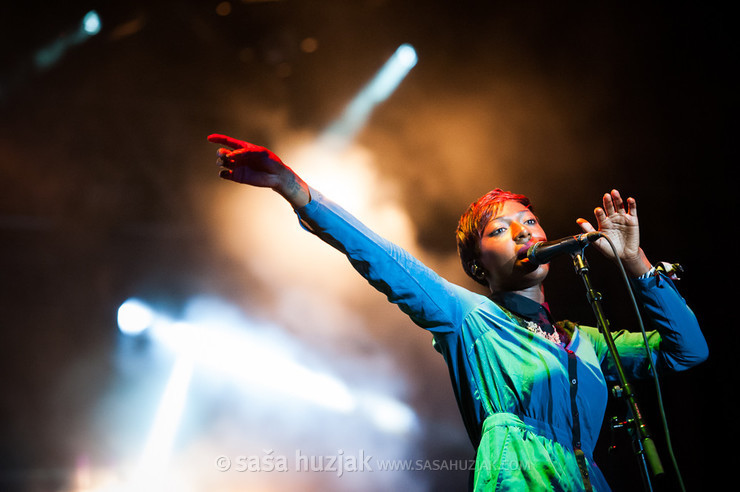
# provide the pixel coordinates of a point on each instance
(223, 154)
(237, 148)
(243, 162)
(226, 140)
(223, 157)
(585, 225)
(632, 206)
(614, 204)
(600, 215)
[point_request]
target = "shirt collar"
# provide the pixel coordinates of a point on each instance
(525, 308)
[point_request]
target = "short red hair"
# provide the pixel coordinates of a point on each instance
(474, 221)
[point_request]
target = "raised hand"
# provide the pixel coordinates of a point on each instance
(253, 165)
(620, 224)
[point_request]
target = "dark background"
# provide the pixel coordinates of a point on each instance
(103, 160)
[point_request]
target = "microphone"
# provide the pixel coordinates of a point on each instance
(544, 251)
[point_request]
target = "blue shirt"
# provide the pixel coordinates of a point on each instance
(532, 408)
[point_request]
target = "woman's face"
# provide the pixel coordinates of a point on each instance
(506, 238)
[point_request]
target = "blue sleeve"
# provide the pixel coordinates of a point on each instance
(429, 300)
(674, 337)
(682, 344)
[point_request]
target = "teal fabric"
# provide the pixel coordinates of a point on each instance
(513, 455)
(513, 388)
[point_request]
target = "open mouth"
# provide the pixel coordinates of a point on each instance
(521, 254)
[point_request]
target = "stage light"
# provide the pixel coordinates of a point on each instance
(218, 340)
(48, 56)
(134, 317)
(166, 422)
(388, 414)
(407, 56)
(385, 81)
(394, 71)
(251, 356)
(91, 23)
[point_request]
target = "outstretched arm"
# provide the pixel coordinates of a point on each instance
(431, 301)
(251, 164)
(620, 224)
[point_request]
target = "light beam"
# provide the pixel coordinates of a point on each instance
(48, 56)
(375, 92)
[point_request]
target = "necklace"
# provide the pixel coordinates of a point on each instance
(537, 329)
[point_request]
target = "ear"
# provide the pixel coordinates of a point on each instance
(477, 271)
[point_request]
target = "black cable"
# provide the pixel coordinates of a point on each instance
(653, 371)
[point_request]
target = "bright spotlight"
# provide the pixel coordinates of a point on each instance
(406, 56)
(393, 72)
(388, 413)
(376, 91)
(50, 55)
(91, 23)
(167, 420)
(256, 361)
(134, 316)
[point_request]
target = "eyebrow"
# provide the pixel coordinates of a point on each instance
(514, 215)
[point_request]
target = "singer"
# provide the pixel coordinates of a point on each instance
(532, 392)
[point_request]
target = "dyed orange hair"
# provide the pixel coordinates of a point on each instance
(473, 222)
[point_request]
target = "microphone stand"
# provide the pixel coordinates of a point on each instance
(643, 444)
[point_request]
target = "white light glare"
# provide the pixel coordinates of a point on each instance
(259, 362)
(388, 414)
(153, 472)
(49, 55)
(394, 71)
(226, 347)
(167, 419)
(134, 316)
(375, 92)
(91, 23)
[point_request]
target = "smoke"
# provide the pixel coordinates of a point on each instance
(297, 365)
(400, 185)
